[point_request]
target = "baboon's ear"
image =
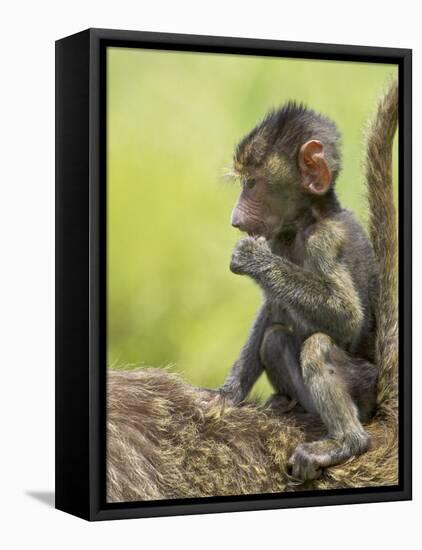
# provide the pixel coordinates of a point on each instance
(314, 170)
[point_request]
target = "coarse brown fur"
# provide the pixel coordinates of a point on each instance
(164, 442)
(383, 232)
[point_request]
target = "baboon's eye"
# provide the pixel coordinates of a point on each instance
(249, 183)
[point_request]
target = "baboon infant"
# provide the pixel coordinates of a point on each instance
(317, 334)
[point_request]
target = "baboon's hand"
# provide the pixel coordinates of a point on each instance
(208, 397)
(249, 256)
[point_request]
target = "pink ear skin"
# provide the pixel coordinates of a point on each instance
(316, 176)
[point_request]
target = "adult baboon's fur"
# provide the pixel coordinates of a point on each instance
(164, 441)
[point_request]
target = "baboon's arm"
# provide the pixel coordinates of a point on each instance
(324, 300)
(321, 293)
(246, 370)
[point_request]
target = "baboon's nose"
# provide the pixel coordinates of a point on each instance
(236, 219)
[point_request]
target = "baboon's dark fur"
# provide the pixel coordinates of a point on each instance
(283, 130)
(163, 442)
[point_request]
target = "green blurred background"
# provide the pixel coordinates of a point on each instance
(173, 121)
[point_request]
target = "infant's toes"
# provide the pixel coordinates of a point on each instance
(293, 464)
(303, 465)
(311, 471)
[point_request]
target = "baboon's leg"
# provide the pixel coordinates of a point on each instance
(279, 353)
(324, 369)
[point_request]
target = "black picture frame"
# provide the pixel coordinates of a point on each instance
(81, 273)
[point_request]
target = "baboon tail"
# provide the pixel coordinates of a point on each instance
(383, 232)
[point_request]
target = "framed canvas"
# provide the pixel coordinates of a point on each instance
(200, 180)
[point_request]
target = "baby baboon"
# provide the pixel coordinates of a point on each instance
(328, 322)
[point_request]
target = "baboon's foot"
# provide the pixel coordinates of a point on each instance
(309, 459)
